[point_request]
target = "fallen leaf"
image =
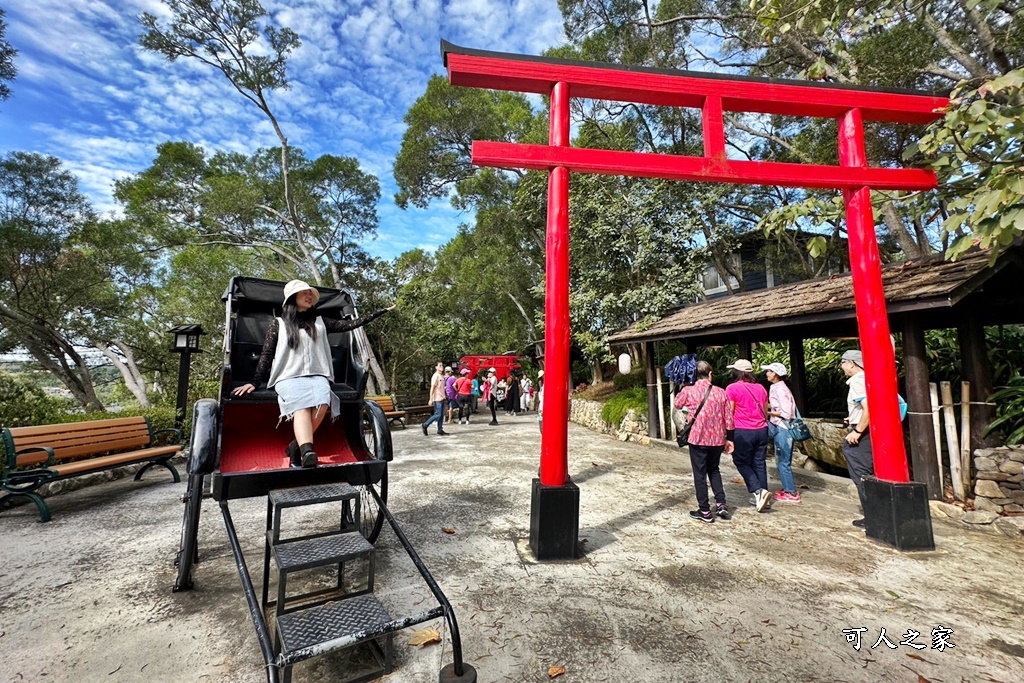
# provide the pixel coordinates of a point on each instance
(425, 637)
(737, 480)
(922, 679)
(555, 671)
(895, 595)
(448, 530)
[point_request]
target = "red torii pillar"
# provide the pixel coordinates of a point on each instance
(897, 511)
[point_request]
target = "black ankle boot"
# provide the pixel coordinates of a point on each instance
(294, 454)
(309, 458)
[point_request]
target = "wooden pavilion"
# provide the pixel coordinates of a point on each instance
(969, 294)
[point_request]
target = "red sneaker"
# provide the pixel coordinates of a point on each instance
(784, 497)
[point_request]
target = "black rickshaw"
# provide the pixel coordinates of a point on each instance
(237, 449)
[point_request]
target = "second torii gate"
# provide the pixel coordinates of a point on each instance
(899, 513)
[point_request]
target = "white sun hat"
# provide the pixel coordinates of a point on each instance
(296, 286)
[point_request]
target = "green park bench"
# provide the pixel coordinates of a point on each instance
(39, 455)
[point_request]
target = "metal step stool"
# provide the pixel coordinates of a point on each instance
(321, 621)
(279, 499)
(331, 626)
(321, 551)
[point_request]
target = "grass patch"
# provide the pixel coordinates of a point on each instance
(616, 407)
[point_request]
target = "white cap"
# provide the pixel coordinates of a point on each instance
(296, 286)
(741, 365)
(778, 368)
(491, 370)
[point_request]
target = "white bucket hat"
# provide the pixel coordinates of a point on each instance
(296, 286)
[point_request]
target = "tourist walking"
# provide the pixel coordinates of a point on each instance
(783, 410)
(451, 395)
(709, 411)
(500, 393)
(438, 399)
(296, 363)
(464, 389)
(540, 401)
(490, 390)
(524, 393)
(476, 394)
(860, 461)
(750, 414)
(512, 397)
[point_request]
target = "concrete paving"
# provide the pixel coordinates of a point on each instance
(656, 597)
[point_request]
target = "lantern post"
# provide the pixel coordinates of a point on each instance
(186, 342)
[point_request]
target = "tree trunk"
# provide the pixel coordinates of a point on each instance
(911, 249)
(77, 379)
(130, 373)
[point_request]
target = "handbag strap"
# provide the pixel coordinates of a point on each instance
(764, 413)
(703, 401)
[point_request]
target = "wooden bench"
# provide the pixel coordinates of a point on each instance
(39, 455)
(387, 404)
(415, 403)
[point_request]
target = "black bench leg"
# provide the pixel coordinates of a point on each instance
(162, 463)
(44, 510)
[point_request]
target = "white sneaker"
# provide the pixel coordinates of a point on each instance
(763, 498)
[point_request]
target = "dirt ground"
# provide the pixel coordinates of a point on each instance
(656, 597)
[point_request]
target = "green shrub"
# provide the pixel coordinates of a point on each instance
(615, 408)
(23, 404)
(636, 378)
(1009, 402)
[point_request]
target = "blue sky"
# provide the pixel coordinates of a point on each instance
(87, 93)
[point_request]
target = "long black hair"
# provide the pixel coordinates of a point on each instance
(743, 376)
(295, 321)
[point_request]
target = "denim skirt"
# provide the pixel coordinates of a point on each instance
(297, 393)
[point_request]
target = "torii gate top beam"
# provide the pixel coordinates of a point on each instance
(675, 88)
(713, 94)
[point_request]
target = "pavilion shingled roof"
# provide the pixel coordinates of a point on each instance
(924, 283)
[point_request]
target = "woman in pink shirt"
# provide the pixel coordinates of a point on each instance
(749, 401)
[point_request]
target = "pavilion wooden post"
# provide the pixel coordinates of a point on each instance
(922, 439)
(746, 348)
(651, 374)
(978, 371)
(798, 373)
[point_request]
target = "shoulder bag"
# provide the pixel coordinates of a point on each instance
(683, 434)
(797, 429)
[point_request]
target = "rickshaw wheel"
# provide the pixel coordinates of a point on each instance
(188, 550)
(376, 435)
(371, 520)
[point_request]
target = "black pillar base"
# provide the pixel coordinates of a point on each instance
(555, 521)
(898, 514)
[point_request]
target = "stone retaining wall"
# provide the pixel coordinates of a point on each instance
(588, 414)
(999, 477)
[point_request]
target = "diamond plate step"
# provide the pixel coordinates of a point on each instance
(319, 552)
(309, 495)
(314, 631)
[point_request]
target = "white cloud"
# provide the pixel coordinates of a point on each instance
(89, 94)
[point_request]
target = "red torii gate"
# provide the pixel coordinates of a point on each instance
(900, 518)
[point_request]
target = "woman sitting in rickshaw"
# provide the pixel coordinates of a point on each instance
(297, 365)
